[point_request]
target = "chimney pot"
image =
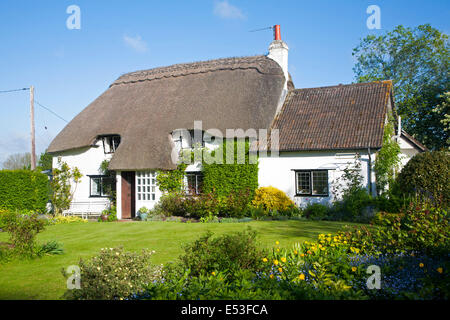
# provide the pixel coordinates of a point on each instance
(277, 32)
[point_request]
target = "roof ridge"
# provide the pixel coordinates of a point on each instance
(181, 69)
(357, 84)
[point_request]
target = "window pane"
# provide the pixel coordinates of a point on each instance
(191, 184)
(303, 183)
(320, 182)
(199, 183)
(96, 187)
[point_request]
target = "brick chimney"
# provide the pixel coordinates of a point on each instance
(278, 51)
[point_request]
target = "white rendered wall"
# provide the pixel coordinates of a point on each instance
(408, 150)
(278, 172)
(88, 161)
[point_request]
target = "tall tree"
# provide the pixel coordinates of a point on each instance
(45, 161)
(417, 61)
(17, 161)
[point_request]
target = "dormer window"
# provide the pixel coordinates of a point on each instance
(188, 139)
(110, 143)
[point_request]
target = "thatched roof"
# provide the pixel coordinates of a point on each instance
(334, 118)
(144, 107)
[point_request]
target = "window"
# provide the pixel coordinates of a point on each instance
(110, 143)
(101, 186)
(311, 182)
(196, 138)
(194, 183)
(146, 185)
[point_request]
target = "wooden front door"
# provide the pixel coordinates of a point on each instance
(128, 195)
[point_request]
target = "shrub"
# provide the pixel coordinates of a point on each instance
(59, 219)
(23, 190)
(270, 199)
(316, 211)
(352, 206)
(203, 205)
(171, 204)
(229, 253)
(22, 228)
(427, 175)
(113, 274)
(419, 228)
(235, 205)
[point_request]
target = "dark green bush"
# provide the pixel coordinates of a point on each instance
(236, 204)
(427, 175)
(228, 253)
(171, 204)
(354, 206)
(316, 211)
(23, 190)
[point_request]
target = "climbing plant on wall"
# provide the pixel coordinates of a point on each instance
(388, 158)
(222, 179)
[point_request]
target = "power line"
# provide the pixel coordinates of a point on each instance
(13, 90)
(49, 110)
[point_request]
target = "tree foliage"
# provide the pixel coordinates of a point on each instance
(45, 161)
(417, 60)
(427, 175)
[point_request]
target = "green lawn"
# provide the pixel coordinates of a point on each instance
(42, 279)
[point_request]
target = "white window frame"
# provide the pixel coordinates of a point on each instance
(146, 187)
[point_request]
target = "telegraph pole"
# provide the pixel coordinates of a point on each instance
(33, 143)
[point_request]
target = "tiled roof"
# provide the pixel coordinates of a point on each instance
(332, 118)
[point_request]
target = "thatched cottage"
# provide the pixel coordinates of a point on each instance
(132, 124)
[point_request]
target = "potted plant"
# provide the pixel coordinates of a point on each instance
(104, 215)
(143, 213)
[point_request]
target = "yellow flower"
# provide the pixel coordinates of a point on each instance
(302, 255)
(213, 273)
(301, 277)
(309, 252)
(278, 250)
(440, 270)
(271, 276)
(353, 269)
(280, 269)
(275, 262)
(277, 243)
(295, 252)
(283, 259)
(421, 265)
(264, 259)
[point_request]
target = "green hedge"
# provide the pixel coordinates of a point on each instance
(23, 190)
(223, 179)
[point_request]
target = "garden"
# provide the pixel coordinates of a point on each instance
(234, 240)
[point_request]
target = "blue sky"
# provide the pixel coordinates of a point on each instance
(70, 68)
